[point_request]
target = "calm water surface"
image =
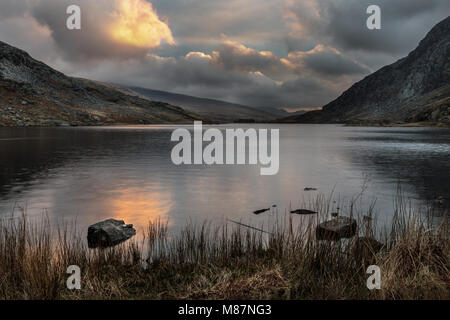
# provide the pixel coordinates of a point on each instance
(90, 174)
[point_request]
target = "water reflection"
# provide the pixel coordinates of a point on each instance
(91, 174)
(140, 206)
(417, 158)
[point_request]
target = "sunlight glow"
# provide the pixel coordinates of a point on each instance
(136, 23)
(139, 207)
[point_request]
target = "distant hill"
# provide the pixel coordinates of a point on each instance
(413, 89)
(215, 110)
(33, 94)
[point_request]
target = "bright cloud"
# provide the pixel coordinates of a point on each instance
(110, 29)
(277, 53)
(136, 23)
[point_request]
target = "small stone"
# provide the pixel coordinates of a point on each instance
(261, 211)
(303, 212)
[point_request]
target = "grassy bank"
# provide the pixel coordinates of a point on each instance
(229, 262)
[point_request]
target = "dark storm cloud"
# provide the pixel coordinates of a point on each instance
(252, 22)
(235, 56)
(9, 9)
(342, 23)
(279, 53)
(197, 74)
(333, 64)
(88, 43)
(326, 61)
(306, 91)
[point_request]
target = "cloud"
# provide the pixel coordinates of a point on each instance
(322, 60)
(342, 23)
(279, 53)
(235, 56)
(110, 28)
(200, 22)
(12, 9)
(135, 23)
(327, 61)
(234, 73)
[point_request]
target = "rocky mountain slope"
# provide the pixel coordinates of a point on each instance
(215, 110)
(413, 89)
(33, 94)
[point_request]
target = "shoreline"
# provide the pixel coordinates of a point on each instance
(228, 262)
(387, 125)
(402, 125)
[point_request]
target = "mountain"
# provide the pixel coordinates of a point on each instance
(413, 89)
(215, 110)
(33, 94)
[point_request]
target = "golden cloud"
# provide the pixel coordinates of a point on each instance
(137, 24)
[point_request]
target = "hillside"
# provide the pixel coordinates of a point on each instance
(413, 89)
(33, 94)
(215, 110)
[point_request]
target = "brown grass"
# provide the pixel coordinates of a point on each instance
(228, 262)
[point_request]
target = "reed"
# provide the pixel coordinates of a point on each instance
(231, 261)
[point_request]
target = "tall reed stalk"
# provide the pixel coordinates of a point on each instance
(231, 261)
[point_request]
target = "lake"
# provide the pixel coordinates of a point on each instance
(125, 172)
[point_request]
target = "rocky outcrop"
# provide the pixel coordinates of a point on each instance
(109, 233)
(33, 94)
(415, 88)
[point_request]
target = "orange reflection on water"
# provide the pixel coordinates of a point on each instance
(140, 206)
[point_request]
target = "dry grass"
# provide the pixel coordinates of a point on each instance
(228, 262)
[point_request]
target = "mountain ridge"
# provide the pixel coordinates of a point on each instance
(215, 110)
(34, 94)
(414, 88)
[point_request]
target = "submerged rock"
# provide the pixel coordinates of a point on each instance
(109, 233)
(336, 229)
(303, 211)
(261, 211)
(309, 189)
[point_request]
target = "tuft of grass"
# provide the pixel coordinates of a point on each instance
(230, 261)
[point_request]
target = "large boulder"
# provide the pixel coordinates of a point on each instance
(109, 233)
(336, 229)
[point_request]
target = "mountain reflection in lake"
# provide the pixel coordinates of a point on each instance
(90, 174)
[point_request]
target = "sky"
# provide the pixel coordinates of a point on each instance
(292, 54)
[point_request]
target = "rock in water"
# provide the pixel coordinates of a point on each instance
(109, 233)
(336, 229)
(261, 211)
(303, 211)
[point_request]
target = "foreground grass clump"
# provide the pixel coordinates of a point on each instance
(227, 262)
